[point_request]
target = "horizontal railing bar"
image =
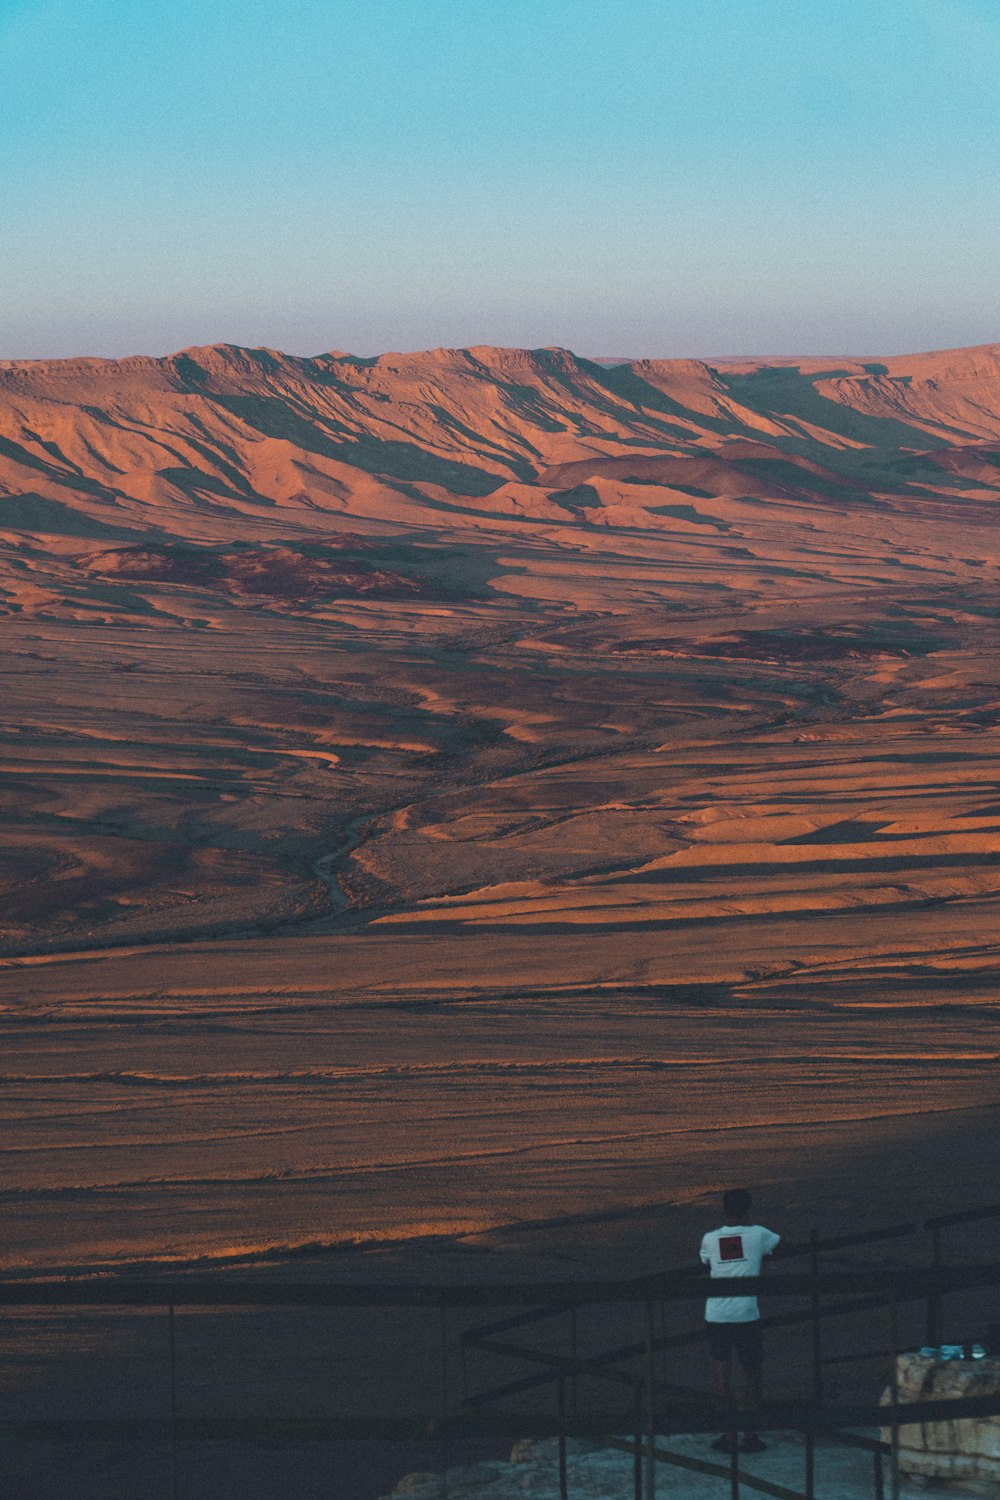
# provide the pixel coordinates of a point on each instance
(795, 1416)
(548, 1376)
(614, 1377)
(518, 1320)
(858, 1440)
(559, 1364)
(298, 1430)
(715, 1471)
(511, 1388)
(219, 1293)
(900, 1231)
(847, 1359)
(596, 1365)
(912, 1280)
(197, 1292)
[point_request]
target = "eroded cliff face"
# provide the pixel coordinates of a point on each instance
(237, 432)
(578, 733)
(273, 595)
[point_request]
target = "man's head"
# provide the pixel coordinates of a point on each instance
(736, 1205)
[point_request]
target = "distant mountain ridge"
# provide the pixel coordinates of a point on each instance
(503, 640)
(218, 445)
(224, 428)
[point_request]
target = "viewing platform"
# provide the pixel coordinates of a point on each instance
(607, 1376)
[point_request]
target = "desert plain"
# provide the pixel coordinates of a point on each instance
(461, 810)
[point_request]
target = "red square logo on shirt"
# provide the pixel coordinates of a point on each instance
(731, 1247)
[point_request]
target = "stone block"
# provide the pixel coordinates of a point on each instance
(966, 1450)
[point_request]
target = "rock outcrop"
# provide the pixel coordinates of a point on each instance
(966, 1449)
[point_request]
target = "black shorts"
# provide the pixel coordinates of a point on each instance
(745, 1338)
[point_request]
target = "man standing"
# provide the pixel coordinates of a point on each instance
(733, 1323)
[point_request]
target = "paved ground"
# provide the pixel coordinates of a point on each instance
(604, 1474)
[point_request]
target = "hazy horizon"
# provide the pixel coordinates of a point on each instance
(777, 356)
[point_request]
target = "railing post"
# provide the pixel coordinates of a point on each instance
(879, 1475)
(935, 1297)
(663, 1343)
(444, 1447)
(563, 1477)
(637, 1448)
(574, 1354)
(444, 1359)
(817, 1337)
(174, 1475)
(810, 1464)
(650, 1402)
(894, 1393)
(463, 1367)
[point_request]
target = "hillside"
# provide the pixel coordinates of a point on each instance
(183, 444)
(489, 736)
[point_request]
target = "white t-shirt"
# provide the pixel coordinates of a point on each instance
(735, 1250)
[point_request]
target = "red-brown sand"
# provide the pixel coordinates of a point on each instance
(477, 789)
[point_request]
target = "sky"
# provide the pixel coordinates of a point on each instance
(620, 177)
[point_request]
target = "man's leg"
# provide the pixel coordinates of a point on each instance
(751, 1356)
(722, 1385)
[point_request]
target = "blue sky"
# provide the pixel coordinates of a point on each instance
(641, 177)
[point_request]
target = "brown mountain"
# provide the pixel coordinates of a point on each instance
(490, 736)
(180, 445)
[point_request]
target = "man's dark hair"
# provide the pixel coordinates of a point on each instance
(736, 1204)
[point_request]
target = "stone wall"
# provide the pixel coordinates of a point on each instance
(965, 1450)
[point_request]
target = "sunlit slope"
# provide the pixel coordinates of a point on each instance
(183, 441)
(470, 787)
(492, 636)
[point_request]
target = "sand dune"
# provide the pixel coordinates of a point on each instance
(463, 788)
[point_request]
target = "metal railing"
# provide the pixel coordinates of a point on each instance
(653, 1407)
(886, 1288)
